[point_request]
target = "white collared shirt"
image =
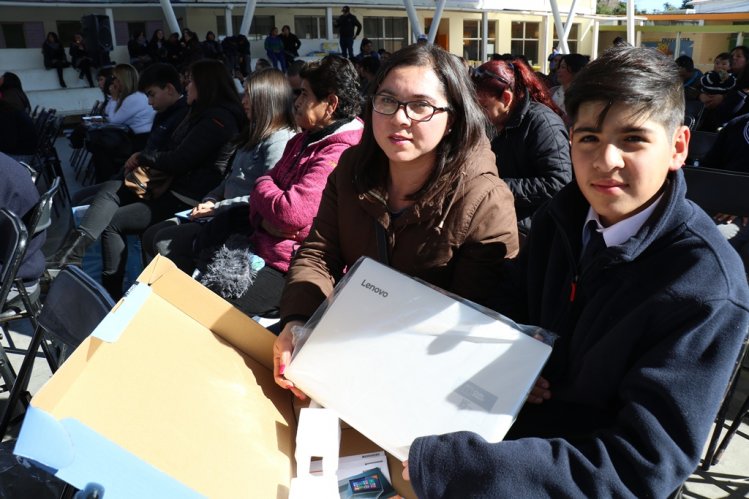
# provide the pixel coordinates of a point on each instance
(618, 233)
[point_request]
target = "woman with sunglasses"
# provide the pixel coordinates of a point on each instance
(531, 143)
(422, 182)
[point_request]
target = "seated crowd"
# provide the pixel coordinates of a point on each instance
(562, 207)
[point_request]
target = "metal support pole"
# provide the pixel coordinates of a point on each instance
(560, 28)
(594, 47)
(249, 12)
(568, 24)
(329, 22)
(171, 19)
(739, 39)
(484, 36)
(677, 45)
(436, 20)
(110, 15)
(631, 22)
(413, 18)
(228, 24)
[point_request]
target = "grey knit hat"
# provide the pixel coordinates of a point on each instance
(714, 82)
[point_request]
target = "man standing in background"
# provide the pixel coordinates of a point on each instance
(349, 28)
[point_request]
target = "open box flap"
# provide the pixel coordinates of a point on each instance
(171, 395)
(209, 309)
(75, 454)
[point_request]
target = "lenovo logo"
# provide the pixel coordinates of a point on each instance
(374, 288)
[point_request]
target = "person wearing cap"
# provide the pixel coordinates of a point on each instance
(349, 28)
(714, 85)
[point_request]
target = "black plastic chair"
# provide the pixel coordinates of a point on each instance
(720, 191)
(693, 110)
(700, 144)
(13, 239)
(75, 304)
(37, 220)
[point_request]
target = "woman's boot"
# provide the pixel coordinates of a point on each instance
(73, 249)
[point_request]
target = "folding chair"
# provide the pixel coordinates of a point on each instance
(693, 110)
(36, 221)
(714, 458)
(73, 307)
(700, 144)
(719, 191)
(13, 239)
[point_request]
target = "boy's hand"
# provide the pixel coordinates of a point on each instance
(539, 392)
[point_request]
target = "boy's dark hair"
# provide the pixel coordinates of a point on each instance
(159, 75)
(334, 74)
(645, 80)
(295, 67)
(686, 62)
(723, 56)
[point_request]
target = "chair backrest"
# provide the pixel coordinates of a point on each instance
(718, 191)
(40, 218)
(13, 239)
(693, 110)
(700, 144)
(74, 306)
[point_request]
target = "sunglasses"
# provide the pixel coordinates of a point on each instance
(297, 91)
(482, 74)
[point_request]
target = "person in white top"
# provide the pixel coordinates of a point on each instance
(109, 146)
(569, 66)
(128, 106)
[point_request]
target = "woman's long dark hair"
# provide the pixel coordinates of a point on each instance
(271, 105)
(468, 126)
(214, 86)
(518, 78)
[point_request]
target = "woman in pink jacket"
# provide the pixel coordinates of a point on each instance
(285, 201)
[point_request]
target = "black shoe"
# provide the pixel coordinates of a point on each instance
(62, 84)
(73, 249)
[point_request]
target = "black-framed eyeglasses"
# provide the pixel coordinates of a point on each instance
(481, 73)
(416, 110)
(297, 92)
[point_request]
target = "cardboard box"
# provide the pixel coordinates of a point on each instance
(171, 396)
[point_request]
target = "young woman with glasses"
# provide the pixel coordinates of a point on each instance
(531, 141)
(422, 181)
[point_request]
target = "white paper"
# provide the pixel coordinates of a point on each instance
(398, 360)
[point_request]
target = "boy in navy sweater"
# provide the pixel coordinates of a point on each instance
(649, 326)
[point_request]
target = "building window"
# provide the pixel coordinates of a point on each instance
(236, 23)
(472, 39)
(572, 39)
(389, 33)
(310, 27)
(259, 28)
(13, 37)
(524, 40)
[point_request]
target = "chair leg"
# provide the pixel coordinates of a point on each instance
(22, 381)
(743, 412)
(6, 370)
(720, 420)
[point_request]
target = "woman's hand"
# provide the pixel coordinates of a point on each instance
(406, 477)
(282, 349)
(539, 392)
(278, 232)
(204, 209)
